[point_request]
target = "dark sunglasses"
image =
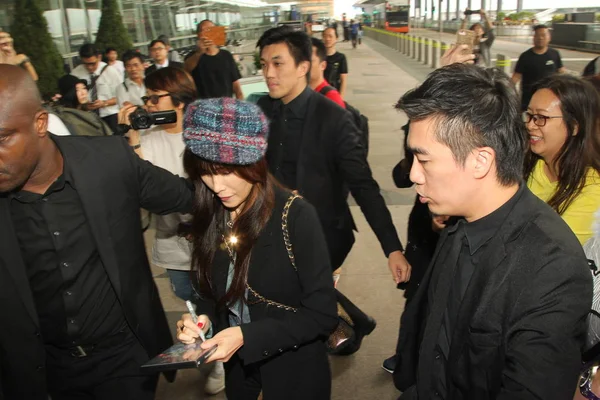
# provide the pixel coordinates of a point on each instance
(154, 98)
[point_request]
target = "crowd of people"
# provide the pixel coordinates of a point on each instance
(253, 223)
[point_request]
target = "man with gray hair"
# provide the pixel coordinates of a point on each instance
(501, 310)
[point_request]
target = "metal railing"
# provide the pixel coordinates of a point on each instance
(425, 50)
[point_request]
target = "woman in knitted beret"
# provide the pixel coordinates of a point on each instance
(266, 295)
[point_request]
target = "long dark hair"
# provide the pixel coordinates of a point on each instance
(580, 104)
(209, 222)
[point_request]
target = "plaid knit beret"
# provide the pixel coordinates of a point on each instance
(226, 131)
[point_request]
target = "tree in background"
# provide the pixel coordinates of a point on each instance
(111, 31)
(30, 33)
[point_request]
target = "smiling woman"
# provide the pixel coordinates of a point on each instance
(563, 164)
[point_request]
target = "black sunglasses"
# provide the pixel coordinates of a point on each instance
(154, 98)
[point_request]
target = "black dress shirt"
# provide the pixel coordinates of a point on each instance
(74, 298)
(462, 251)
(292, 118)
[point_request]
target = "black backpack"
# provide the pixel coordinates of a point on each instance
(361, 121)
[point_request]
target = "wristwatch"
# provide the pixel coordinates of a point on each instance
(585, 382)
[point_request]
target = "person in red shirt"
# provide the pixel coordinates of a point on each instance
(317, 74)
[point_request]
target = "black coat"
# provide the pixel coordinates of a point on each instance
(331, 161)
(288, 346)
(174, 64)
(521, 326)
(112, 183)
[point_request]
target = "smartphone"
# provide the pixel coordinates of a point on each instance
(216, 34)
(464, 36)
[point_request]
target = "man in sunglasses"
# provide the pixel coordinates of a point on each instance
(103, 81)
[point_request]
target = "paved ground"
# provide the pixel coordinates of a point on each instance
(375, 84)
(573, 60)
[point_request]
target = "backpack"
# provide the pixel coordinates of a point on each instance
(80, 123)
(361, 121)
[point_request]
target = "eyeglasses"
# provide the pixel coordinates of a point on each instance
(538, 119)
(154, 98)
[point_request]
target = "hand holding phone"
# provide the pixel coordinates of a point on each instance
(214, 35)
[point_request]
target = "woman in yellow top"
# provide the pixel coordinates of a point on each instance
(563, 165)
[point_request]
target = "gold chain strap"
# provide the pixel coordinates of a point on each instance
(288, 246)
(286, 233)
(261, 299)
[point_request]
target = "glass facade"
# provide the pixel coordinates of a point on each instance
(75, 22)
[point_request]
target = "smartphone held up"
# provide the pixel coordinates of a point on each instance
(466, 37)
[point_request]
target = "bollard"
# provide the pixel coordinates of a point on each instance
(426, 51)
(443, 48)
(503, 63)
(435, 53)
(414, 47)
(404, 44)
(420, 43)
(409, 44)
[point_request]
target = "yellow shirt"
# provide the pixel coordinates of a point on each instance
(580, 214)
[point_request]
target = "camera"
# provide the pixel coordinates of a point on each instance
(142, 119)
(471, 12)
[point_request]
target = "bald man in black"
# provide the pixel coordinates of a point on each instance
(79, 309)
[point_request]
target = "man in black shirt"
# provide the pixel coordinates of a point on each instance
(536, 63)
(214, 70)
(79, 309)
(315, 148)
(501, 311)
(336, 72)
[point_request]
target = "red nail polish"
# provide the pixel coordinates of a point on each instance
(200, 325)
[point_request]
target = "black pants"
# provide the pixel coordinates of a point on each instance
(339, 244)
(346, 34)
(105, 374)
(113, 122)
(307, 378)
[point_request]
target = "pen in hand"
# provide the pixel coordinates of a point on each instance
(190, 307)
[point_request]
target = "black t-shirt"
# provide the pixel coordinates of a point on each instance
(534, 67)
(336, 65)
(214, 75)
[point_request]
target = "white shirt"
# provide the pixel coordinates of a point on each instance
(160, 66)
(119, 66)
(106, 85)
(165, 150)
(56, 126)
(131, 92)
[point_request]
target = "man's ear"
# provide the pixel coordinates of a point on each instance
(41, 123)
(323, 65)
(303, 68)
(483, 160)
